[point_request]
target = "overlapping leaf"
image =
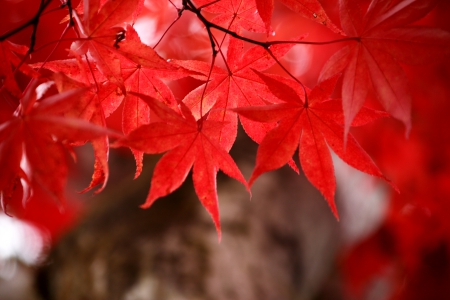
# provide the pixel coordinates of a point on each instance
(383, 41)
(99, 37)
(91, 106)
(143, 71)
(190, 144)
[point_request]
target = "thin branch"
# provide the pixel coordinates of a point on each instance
(32, 22)
(348, 39)
(197, 11)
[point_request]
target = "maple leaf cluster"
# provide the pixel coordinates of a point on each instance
(49, 106)
(108, 67)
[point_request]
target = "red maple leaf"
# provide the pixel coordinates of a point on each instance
(382, 42)
(35, 140)
(191, 144)
(91, 106)
(312, 124)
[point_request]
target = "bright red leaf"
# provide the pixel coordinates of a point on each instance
(312, 125)
(191, 144)
(143, 71)
(99, 37)
(265, 11)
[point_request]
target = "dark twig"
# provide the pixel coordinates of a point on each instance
(32, 22)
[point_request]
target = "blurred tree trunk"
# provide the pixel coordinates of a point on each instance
(280, 245)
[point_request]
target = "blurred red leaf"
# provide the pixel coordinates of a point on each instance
(382, 42)
(34, 141)
(8, 60)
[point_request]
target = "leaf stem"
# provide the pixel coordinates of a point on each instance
(180, 12)
(56, 46)
(290, 75)
(348, 39)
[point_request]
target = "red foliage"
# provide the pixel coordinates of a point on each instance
(107, 67)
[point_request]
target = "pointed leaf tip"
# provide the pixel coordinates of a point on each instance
(146, 205)
(219, 231)
(334, 210)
